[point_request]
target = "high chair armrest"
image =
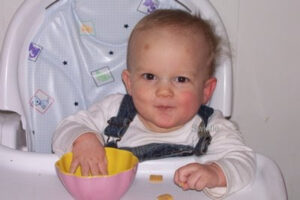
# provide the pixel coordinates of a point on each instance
(11, 133)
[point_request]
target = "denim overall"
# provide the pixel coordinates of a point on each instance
(118, 125)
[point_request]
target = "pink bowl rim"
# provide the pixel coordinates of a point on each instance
(97, 176)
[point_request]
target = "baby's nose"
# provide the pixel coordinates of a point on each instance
(164, 89)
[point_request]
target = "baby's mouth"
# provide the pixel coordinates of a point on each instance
(164, 107)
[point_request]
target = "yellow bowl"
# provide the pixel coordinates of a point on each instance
(122, 167)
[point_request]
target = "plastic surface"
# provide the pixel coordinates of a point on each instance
(64, 49)
(34, 176)
(11, 133)
(122, 167)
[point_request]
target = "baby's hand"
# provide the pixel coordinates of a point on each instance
(198, 176)
(89, 153)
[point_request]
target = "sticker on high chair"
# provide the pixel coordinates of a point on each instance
(41, 101)
(87, 28)
(34, 51)
(102, 76)
(148, 6)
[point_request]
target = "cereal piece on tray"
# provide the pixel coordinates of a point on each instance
(165, 197)
(156, 178)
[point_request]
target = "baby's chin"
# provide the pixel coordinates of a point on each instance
(161, 124)
(164, 127)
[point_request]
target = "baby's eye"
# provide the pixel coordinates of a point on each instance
(182, 79)
(148, 76)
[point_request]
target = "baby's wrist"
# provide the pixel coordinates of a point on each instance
(84, 137)
(221, 179)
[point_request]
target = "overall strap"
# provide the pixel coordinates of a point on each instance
(118, 125)
(203, 133)
(205, 112)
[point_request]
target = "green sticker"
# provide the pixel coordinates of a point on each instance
(102, 76)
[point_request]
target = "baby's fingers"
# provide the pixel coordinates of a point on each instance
(103, 167)
(85, 168)
(74, 166)
(184, 176)
(99, 168)
(95, 170)
(180, 180)
(196, 181)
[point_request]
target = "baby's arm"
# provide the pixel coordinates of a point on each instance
(82, 133)
(229, 154)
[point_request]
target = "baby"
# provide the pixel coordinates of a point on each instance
(169, 78)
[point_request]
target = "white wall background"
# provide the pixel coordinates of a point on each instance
(265, 38)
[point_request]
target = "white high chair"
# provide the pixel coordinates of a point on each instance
(60, 56)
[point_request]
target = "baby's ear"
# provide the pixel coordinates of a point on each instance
(126, 80)
(209, 88)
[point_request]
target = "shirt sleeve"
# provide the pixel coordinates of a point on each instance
(94, 120)
(230, 153)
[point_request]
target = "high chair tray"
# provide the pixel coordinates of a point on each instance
(32, 176)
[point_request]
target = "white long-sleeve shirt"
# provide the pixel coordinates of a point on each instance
(227, 148)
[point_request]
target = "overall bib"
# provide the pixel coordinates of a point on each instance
(118, 125)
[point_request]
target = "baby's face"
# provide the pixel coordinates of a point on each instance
(168, 78)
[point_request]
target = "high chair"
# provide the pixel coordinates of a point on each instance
(60, 56)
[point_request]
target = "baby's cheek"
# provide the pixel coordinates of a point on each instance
(190, 101)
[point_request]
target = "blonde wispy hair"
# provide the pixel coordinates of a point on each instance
(181, 21)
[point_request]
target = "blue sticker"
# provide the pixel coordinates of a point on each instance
(41, 101)
(34, 51)
(148, 6)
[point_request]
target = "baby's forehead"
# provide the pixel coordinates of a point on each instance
(176, 45)
(142, 37)
(172, 30)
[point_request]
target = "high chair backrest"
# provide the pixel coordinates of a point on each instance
(61, 56)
